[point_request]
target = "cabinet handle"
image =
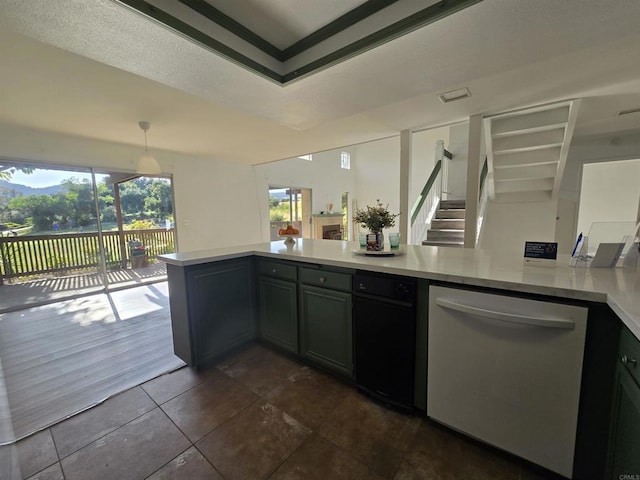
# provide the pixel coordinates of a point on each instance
(322, 279)
(626, 361)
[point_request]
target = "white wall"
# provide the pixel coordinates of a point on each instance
(377, 174)
(459, 147)
(586, 150)
(217, 198)
(508, 225)
(610, 193)
(216, 205)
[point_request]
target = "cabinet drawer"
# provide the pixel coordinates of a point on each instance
(323, 278)
(630, 350)
(277, 270)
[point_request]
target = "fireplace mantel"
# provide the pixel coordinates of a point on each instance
(324, 219)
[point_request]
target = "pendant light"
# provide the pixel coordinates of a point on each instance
(146, 163)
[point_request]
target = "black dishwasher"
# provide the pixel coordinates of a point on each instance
(384, 330)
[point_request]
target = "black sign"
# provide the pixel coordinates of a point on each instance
(544, 250)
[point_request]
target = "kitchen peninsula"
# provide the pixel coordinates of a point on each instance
(618, 288)
(299, 299)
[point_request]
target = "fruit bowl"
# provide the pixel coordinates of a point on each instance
(289, 233)
(290, 239)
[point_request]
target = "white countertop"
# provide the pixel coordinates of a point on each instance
(617, 287)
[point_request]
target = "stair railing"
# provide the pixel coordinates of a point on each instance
(444, 155)
(425, 206)
(483, 199)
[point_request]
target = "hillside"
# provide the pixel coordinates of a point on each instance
(6, 187)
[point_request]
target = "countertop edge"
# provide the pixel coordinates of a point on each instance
(273, 250)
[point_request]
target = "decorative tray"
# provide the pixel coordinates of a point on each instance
(380, 253)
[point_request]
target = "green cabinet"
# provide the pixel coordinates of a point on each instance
(325, 319)
(624, 446)
(278, 300)
(212, 308)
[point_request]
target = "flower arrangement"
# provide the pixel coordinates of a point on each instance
(375, 218)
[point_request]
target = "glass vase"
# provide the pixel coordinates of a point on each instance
(375, 241)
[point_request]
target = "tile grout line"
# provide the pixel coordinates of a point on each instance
(219, 426)
(342, 449)
(168, 462)
(291, 454)
(55, 447)
(258, 399)
(192, 443)
(110, 432)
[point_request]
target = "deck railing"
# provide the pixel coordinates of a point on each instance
(64, 252)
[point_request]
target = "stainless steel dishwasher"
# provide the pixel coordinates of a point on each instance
(507, 371)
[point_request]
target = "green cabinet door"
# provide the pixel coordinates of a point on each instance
(624, 446)
(325, 328)
(221, 304)
(625, 440)
(279, 312)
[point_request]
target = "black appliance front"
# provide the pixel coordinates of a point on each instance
(384, 337)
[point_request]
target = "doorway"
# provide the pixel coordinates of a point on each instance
(289, 206)
(346, 231)
(609, 201)
(67, 231)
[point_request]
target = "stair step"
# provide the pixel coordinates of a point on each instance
(450, 213)
(446, 204)
(443, 243)
(446, 235)
(447, 224)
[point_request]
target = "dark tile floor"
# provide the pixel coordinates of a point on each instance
(257, 415)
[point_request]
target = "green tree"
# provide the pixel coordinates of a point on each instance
(141, 225)
(106, 202)
(78, 201)
(159, 201)
(38, 210)
(132, 196)
(7, 171)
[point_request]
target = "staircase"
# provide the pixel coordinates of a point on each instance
(527, 151)
(447, 228)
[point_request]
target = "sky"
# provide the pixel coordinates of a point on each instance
(41, 178)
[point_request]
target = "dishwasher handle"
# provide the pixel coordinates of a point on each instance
(507, 317)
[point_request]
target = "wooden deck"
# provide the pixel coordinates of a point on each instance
(60, 359)
(16, 296)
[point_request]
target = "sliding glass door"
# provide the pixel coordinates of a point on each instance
(289, 206)
(48, 231)
(69, 231)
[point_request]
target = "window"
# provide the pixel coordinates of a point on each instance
(345, 160)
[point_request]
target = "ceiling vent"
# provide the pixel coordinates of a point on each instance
(454, 95)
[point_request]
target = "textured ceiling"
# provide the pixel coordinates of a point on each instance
(93, 68)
